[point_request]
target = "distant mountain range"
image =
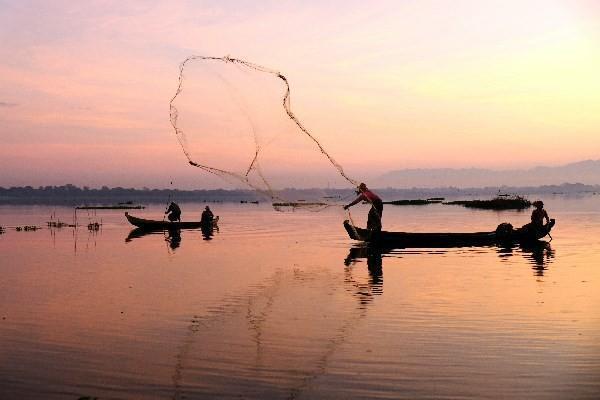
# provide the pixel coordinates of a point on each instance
(586, 172)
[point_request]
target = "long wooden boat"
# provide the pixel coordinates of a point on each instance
(150, 224)
(504, 233)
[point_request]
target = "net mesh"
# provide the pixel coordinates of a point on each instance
(233, 119)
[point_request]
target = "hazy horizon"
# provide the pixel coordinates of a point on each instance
(585, 172)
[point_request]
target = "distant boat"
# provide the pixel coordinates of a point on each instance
(504, 233)
(417, 202)
(151, 224)
(299, 203)
(501, 202)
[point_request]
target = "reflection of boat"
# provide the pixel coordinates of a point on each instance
(504, 233)
(172, 236)
(150, 224)
(139, 232)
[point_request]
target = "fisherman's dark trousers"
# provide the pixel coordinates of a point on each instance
(375, 213)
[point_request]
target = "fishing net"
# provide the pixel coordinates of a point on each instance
(233, 119)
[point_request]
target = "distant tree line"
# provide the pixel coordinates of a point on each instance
(74, 195)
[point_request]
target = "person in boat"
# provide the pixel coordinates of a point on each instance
(539, 215)
(173, 212)
(207, 216)
(376, 211)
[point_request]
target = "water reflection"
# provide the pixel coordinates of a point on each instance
(271, 324)
(209, 231)
(539, 254)
(171, 236)
(374, 257)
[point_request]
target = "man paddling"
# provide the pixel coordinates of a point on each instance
(374, 219)
(173, 212)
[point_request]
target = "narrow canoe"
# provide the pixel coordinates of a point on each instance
(150, 224)
(503, 234)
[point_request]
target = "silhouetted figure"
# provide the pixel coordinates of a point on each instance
(539, 214)
(173, 212)
(537, 218)
(376, 211)
(207, 217)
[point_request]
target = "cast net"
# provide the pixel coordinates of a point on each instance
(234, 120)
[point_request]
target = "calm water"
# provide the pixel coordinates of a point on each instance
(285, 306)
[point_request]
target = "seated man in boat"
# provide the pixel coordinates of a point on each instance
(174, 212)
(539, 214)
(207, 216)
(537, 217)
(376, 211)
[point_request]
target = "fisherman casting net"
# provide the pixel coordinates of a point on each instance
(233, 119)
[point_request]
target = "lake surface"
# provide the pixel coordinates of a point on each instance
(282, 305)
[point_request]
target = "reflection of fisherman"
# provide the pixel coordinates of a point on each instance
(174, 238)
(174, 212)
(207, 217)
(374, 219)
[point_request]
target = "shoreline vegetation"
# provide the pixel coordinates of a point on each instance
(71, 195)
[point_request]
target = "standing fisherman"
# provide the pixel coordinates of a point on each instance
(207, 217)
(374, 219)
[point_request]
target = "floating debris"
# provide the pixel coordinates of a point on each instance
(418, 202)
(59, 224)
(501, 202)
(27, 228)
(299, 203)
(94, 226)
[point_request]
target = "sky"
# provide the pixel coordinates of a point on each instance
(384, 85)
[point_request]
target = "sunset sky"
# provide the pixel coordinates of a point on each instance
(85, 86)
